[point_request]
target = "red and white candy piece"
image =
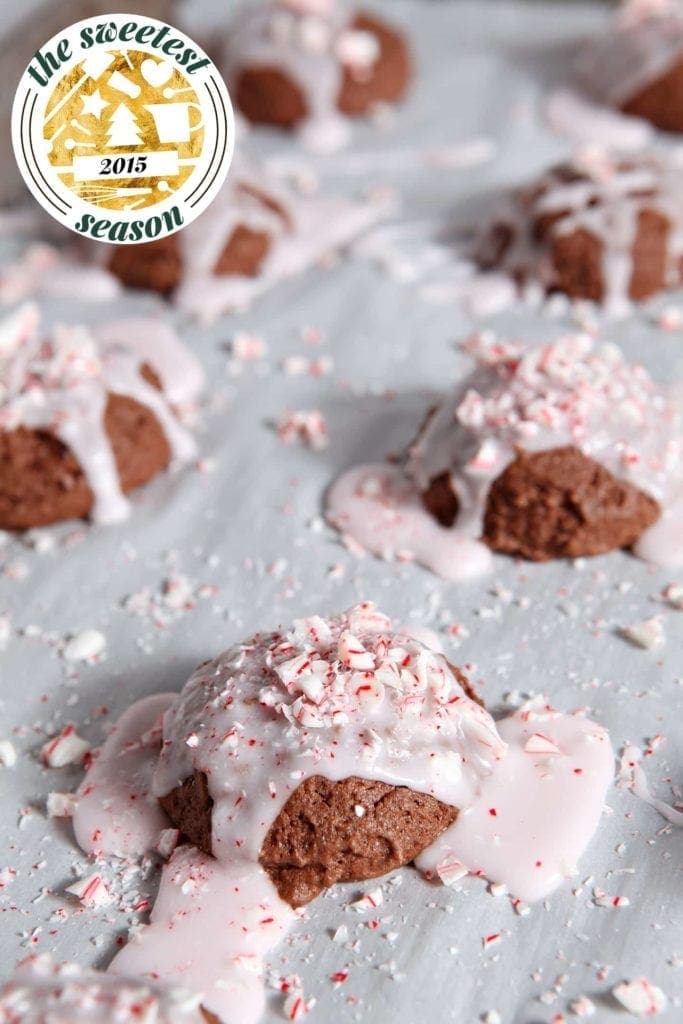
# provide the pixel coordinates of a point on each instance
(540, 744)
(640, 997)
(66, 748)
(91, 891)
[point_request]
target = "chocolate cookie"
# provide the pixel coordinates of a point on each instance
(661, 101)
(327, 832)
(267, 92)
(41, 481)
(605, 231)
(351, 692)
(561, 504)
(86, 416)
(157, 266)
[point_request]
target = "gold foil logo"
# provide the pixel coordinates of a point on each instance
(116, 129)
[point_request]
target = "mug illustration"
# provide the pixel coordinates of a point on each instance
(172, 120)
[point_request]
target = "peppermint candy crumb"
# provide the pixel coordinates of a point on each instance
(91, 891)
(66, 748)
(8, 755)
(648, 633)
(640, 997)
(88, 645)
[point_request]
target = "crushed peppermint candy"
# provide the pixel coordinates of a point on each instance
(451, 871)
(640, 997)
(65, 749)
(308, 427)
(89, 645)
(91, 891)
(368, 901)
(61, 805)
(248, 347)
(8, 755)
(648, 633)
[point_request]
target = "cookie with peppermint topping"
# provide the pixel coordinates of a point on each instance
(312, 65)
(336, 750)
(87, 415)
(560, 450)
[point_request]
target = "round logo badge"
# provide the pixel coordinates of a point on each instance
(123, 128)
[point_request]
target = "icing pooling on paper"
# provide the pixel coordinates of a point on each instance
(572, 391)
(310, 41)
(61, 382)
(380, 508)
(65, 993)
(605, 200)
(301, 230)
(536, 813)
(269, 713)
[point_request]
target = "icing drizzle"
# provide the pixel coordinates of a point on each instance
(61, 382)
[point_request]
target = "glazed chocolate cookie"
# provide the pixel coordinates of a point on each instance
(338, 684)
(488, 465)
(599, 230)
(288, 65)
(42, 482)
(86, 418)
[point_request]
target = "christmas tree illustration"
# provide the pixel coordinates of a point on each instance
(123, 128)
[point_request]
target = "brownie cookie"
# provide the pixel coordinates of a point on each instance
(608, 231)
(551, 500)
(85, 417)
(561, 504)
(267, 704)
(66, 993)
(157, 266)
(637, 65)
(555, 451)
(311, 63)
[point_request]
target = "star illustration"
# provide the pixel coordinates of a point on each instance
(94, 104)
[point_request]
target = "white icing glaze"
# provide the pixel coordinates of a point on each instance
(302, 230)
(332, 697)
(60, 383)
(605, 201)
(44, 992)
(380, 508)
(643, 42)
(310, 43)
(547, 805)
(570, 392)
